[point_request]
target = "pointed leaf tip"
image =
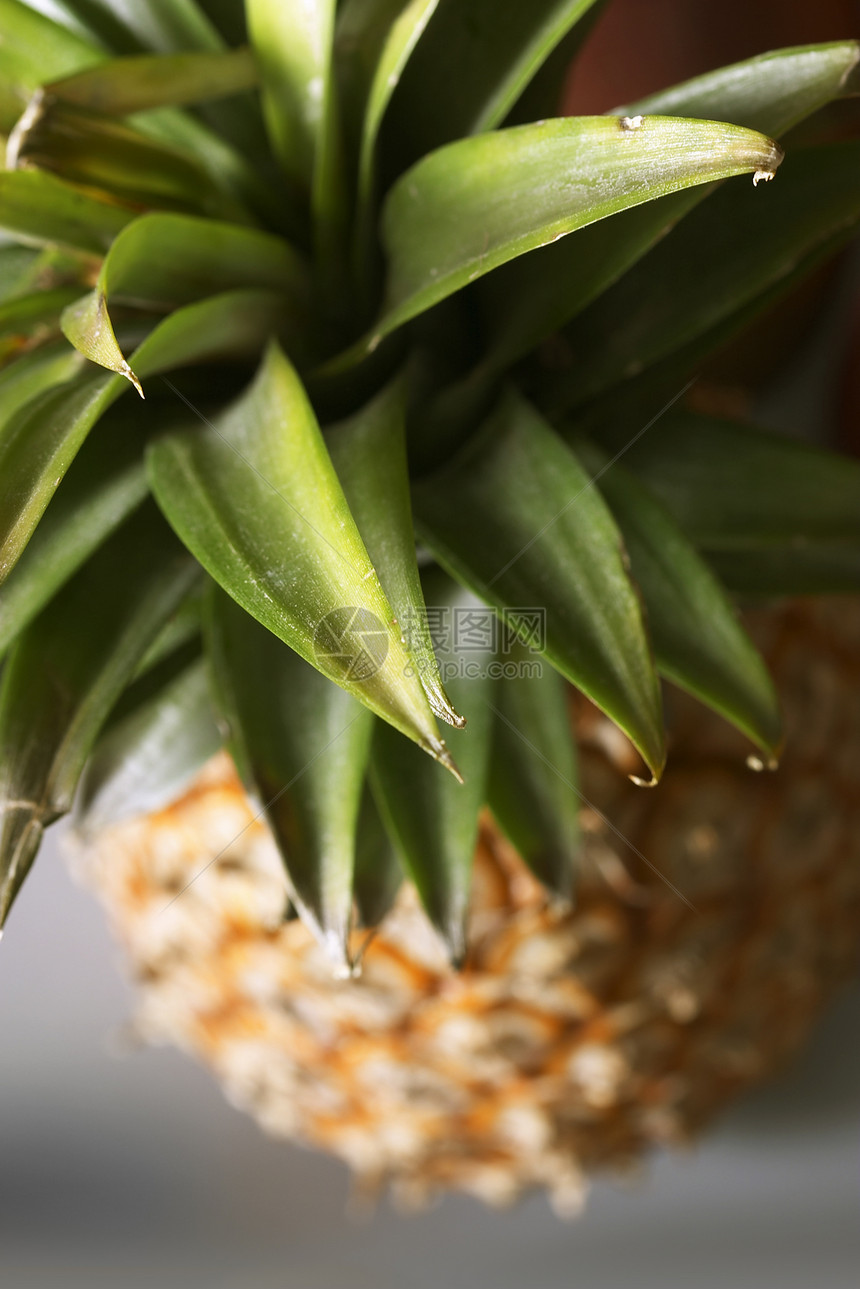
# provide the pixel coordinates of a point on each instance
(129, 375)
(302, 745)
(21, 835)
(721, 667)
(501, 517)
(67, 671)
(476, 204)
(257, 500)
(432, 822)
(444, 757)
(369, 453)
(165, 259)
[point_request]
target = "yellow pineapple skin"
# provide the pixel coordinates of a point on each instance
(714, 915)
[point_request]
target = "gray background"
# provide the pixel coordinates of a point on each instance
(133, 1171)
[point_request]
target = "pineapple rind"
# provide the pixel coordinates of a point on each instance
(575, 1039)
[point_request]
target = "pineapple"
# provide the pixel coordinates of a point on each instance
(421, 442)
(575, 1038)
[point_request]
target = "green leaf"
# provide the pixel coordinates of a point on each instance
(182, 26)
(32, 373)
(723, 262)
(378, 875)
(771, 92)
(138, 84)
(532, 297)
(18, 267)
(369, 454)
(93, 21)
(231, 324)
(515, 517)
(36, 448)
(40, 441)
(149, 754)
(433, 820)
(544, 94)
(170, 26)
(35, 48)
(65, 674)
(105, 483)
(772, 515)
(40, 210)
(374, 40)
(533, 787)
(234, 166)
(472, 64)
(26, 313)
(166, 260)
(182, 631)
(478, 203)
(112, 157)
(698, 641)
(293, 40)
(257, 500)
(302, 744)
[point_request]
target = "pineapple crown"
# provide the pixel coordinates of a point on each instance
(275, 216)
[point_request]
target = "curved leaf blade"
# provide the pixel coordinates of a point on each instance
(34, 372)
(65, 674)
(93, 22)
(480, 202)
(772, 515)
(257, 500)
(179, 634)
(109, 156)
(378, 874)
(166, 260)
(473, 63)
(149, 756)
(293, 43)
(369, 454)
(532, 788)
(432, 820)
(18, 267)
(756, 245)
(234, 166)
(40, 441)
(771, 93)
(530, 298)
(36, 448)
(174, 27)
(34, 47)
(21, 316)
(105, 483)
(40, 210)
(302, 744)
(516, 518)
(374, 40)
(698, 641)
(184, 26)
(543, 96)
(140, 83)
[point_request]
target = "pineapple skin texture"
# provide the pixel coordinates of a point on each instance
(575, 1039)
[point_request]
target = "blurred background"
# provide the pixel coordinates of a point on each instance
(131, 1171)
